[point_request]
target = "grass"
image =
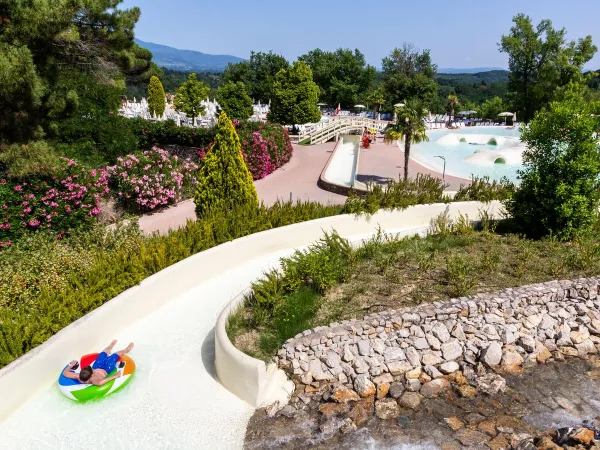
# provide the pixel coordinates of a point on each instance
(393, 273)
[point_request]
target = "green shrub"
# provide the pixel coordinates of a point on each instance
(481, 190)
(24, 160)
(224, 181)
(424, 189)
(560, 188)
(156, 97)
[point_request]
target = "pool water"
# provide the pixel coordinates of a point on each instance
(455, 154)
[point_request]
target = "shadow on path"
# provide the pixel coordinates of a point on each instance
(364, 178)
(208, 353)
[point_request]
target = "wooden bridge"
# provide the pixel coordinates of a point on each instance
(336, 126)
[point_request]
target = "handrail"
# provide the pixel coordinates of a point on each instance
(324, 131)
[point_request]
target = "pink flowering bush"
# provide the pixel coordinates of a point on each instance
(266, 147)
(66, 200)
(146, 181)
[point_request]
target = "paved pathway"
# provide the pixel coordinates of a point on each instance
(299, 178)
(383, 161)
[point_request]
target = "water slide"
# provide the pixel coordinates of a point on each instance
(342, 167)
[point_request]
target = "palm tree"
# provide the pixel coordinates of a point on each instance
(453, 100)
(409, 125)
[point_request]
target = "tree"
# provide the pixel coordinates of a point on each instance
(258, 74)
(452, 102)
(560, 190)
(46, 42)
(492, 107)
(190, 95)
(540, 61)
(407, 74)
(224, 181)
(343, 76)
(376, 98)
(295, 96)
(234, 100)
(409, 126)
(156, 97)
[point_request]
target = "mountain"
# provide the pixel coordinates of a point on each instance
(470, 70)
(187, 60)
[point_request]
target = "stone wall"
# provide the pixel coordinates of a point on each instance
(410, 350)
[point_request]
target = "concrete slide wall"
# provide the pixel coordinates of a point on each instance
(248, 378)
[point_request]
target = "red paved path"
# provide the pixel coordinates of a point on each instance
(300, 177)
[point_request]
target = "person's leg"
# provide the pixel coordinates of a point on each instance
(125, 350)
(108, 350)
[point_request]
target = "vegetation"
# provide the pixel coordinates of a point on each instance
(171, 80)
(560, 189)
(452, 103)
(156, 97)
(295, 96)
(224, 181)
(258, 74)
(343, 76)
(190, 95)
(541, 62)
(409, 126)
(409, 74)
(492, 107)
(331, 281)
(235, 101)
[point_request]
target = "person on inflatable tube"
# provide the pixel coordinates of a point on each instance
(105, 363)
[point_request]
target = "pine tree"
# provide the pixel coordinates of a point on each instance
(156, 97)
(224, 181)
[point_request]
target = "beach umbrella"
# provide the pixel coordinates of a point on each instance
(505, 115)
(321, 104)
(399, 105)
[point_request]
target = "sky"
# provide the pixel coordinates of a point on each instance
(460, 34)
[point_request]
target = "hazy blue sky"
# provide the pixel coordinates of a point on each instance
(461, 33)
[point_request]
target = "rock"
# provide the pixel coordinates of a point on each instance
(568, 351)
(528, 343)
(392, 354)
(583, 436)
(348, 426)
(466, 391)
(511, 359)
(387, 408)
(490, 383)
(433, 372)
(492, 355)
(398, 367)
(364, 348)
(273, 409)
(359, 414)
(333, 409)
(382, 389)
(564, 403)
(413, 374)
(458, 332)
(378, 346)
(288, 411)
(342, 394)
(488, 427)
(410, 400)
(498, 443)
(585, 347)
(396, 389)
(543, 354)
(385, 378)
(330, 427)
(440, 331)
(420, 343)
(413, 385)
(454, 423)
(332, 359)
(451, 350)
(316, 369)
(545, 443)
(363, 386)
(578, 337)
(509, 334)
(433, 342)
(468, 437)
(449, 367)
(434, 388)
(348, 356)
(413, 356)
(430, 359)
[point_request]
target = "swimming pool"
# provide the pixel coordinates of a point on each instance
(495, 152)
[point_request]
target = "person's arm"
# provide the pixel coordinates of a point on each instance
(67, 372)
(107, 379)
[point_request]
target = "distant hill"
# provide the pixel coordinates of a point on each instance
(472, 70)
(187, 60)
(490, 77)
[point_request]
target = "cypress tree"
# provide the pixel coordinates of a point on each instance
(224, 181)
(156, 97)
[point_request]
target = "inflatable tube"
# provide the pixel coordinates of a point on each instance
(81, 392)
